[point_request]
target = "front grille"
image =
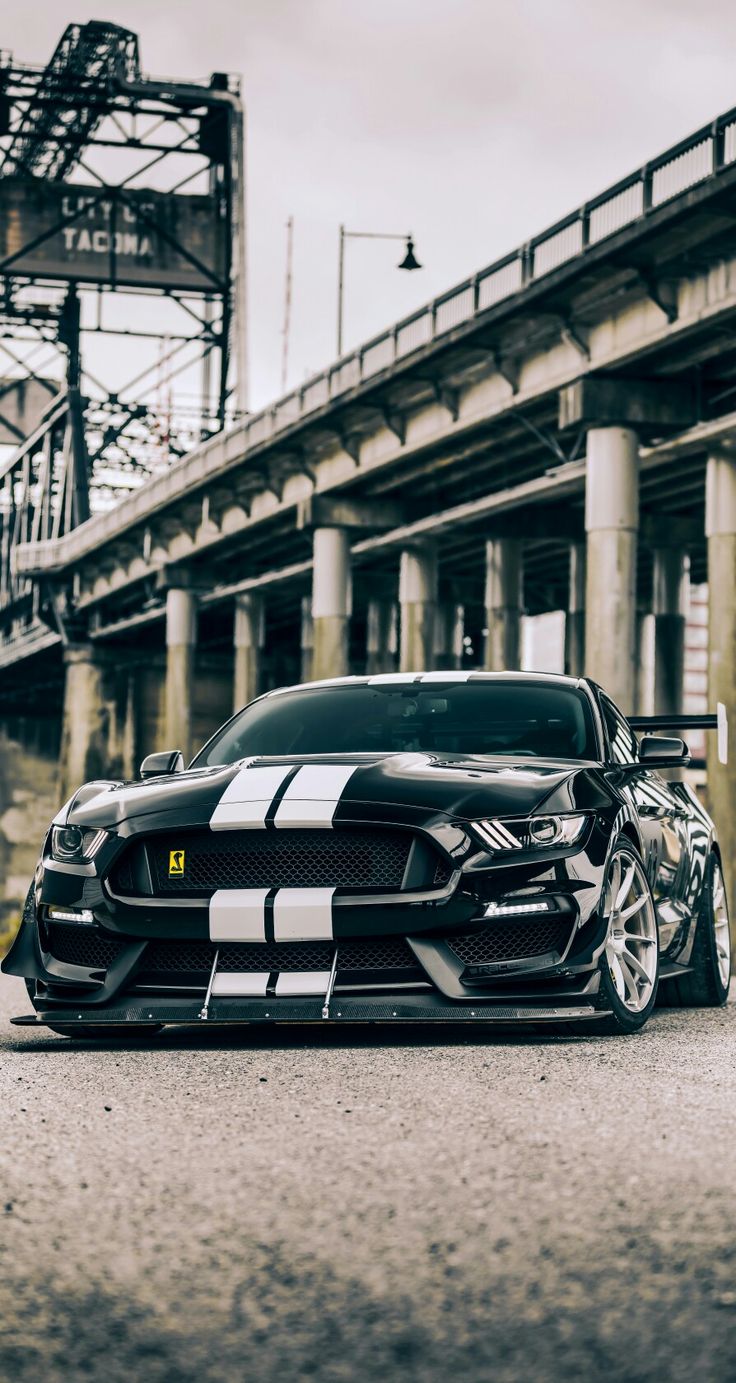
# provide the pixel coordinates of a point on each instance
(196, 957)
(513, 940)
(83, 946)
(366, 858)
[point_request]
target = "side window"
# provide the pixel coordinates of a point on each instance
(621, 738)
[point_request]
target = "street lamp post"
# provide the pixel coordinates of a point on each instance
(409, 261)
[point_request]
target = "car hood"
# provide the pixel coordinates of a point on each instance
(462, 787)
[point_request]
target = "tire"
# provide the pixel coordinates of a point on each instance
(629, 964)
(706, 986)
(104, 1032)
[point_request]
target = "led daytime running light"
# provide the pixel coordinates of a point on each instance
(83, 915)
(507, 909)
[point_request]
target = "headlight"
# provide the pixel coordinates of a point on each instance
(75, 844)
(555, 830)
(536, 833)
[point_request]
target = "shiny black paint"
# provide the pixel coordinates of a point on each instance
(439, 796)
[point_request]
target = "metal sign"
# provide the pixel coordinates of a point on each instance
(111, 235)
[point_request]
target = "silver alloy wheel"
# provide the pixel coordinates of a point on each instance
(631, 943)
(720, 925)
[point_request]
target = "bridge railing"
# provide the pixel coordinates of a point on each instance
(34, 502)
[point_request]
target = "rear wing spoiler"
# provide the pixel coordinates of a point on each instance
(718, 722)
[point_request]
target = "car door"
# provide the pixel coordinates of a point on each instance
(663, 821)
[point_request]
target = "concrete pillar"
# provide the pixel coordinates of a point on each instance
(504, 604)
(130, 729)
(418, 600)
(306, 639)
(720, 527)
(181, 635)
(381, 636)
(671, 581)
(643, 703)
(331, 602)
(449, 634)
(248, 627)
(611, 522)
(85, 719)
(575, 613)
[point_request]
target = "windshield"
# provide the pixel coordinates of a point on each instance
(531, 719)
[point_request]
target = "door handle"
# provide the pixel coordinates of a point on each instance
(654, 813)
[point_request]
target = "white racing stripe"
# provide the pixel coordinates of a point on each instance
(306, 982)
(303, 914)
(385, 679)
(247, 799)
(237, 914)
(240, 986)
(253, 984)
(445, 676)
(312, 797)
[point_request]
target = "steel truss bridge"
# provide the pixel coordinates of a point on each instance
(108, 308)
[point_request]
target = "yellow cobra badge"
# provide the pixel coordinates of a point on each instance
(176, 863)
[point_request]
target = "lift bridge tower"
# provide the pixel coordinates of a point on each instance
(122, 284)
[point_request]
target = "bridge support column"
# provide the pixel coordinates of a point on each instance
(418, 600)
(381, 640)
(331, 602)
(181, 635)
(643, 703)
(503, 604)
(248, 629)
(306, 639)
(449, 633)
(611, 522)
(671, 579)
(575, 613)
(85, 722)
(720, 527)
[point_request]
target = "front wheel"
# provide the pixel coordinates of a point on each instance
(630, 961)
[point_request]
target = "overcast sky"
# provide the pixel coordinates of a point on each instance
(472, 123)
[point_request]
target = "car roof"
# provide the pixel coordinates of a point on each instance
(448, 675)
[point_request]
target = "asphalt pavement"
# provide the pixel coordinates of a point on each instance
(368, 1205)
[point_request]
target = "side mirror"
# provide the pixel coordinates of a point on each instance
(168, 761)
(663, 751)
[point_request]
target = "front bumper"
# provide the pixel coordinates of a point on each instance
(557, 985)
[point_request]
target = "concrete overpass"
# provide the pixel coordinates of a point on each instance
(556, 432)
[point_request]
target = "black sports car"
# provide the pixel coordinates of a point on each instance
(441, 846)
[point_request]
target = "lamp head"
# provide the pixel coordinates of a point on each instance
(410, 260)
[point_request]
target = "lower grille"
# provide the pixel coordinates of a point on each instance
(182, 958)
(513, 940)
(83, 946)
(94, 951)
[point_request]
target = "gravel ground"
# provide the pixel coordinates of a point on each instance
(369, 1205)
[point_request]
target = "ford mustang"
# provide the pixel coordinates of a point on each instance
(445, 846)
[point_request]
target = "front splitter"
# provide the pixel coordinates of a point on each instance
(415, 1008)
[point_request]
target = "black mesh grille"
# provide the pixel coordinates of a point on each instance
(83, 946)
(361, 859)
(442, 874)
(196, 957)
(513, 940)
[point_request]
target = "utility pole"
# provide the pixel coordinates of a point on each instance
(287, 303)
